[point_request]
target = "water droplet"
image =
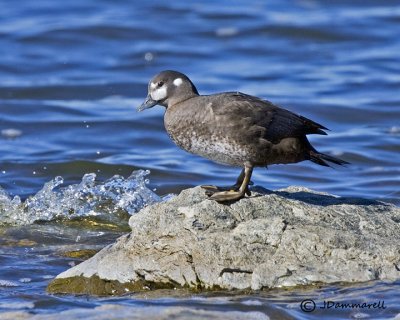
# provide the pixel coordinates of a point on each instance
(226, 31)
(11, 133)
(58, 180)
(394, 130)
(148, 56)
(89, 178)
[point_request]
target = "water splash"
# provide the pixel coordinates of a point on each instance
(106, 201)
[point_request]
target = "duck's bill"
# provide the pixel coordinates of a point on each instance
(148, 103)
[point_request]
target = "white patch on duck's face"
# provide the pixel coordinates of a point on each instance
(153, 85)
(178, 82)
(159, 93)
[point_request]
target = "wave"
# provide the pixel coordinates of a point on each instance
(113, 200)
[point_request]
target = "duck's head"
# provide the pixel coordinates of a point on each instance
(168, 88)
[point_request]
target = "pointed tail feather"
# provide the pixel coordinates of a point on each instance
(321, 158)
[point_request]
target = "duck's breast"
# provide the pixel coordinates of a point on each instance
(196, 129)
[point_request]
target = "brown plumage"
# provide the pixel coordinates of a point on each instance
(233, 128)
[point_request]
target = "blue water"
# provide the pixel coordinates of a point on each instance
(71, 75)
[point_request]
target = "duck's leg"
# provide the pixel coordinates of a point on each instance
(212, 189)
(232, 195)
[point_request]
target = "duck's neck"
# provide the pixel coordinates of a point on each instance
(173, 102)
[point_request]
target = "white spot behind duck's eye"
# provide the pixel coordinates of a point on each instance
(178, 82)
(159, 94)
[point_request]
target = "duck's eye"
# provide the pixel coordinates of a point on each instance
(160, 84)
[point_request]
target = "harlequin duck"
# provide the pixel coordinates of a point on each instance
(232, 128)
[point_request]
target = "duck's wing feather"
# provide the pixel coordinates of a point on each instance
(268, 120)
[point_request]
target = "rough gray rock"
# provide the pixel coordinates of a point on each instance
(291, 237)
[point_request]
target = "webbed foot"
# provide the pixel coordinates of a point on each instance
(232, 193)
(227, 196)
(210, 190)
(235, 187)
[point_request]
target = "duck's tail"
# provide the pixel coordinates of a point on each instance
(321, 158)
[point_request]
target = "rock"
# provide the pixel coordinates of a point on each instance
(289, 237)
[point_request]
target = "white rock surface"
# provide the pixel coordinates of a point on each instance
(290, 237)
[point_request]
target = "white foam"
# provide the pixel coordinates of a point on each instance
(86, 199)
(17, 305)
(8, 283)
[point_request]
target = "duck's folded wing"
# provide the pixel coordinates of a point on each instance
(254, 117)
